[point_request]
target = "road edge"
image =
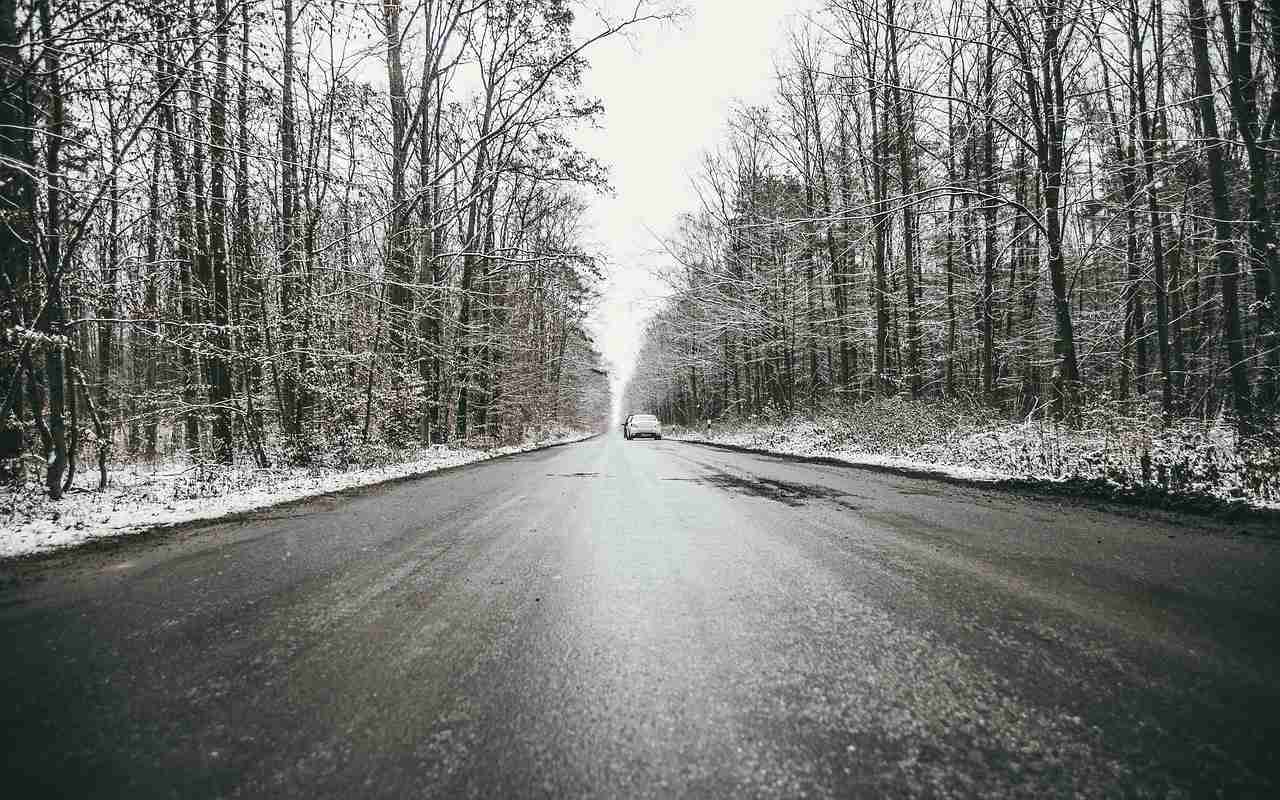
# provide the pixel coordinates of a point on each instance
(142, 535)
(1077, 489)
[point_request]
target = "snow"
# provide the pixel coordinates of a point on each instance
(142, 497)
(1191, 459)
(767, 439)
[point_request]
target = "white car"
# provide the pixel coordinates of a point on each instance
(642, 425)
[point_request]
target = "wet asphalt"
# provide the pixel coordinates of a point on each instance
(651, 619)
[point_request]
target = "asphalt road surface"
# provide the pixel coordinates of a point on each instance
(651, 619)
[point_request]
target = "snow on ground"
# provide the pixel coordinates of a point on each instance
(771, 440)
(144, 496)
(1190, 459)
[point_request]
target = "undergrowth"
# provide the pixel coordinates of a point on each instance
(1122, 450)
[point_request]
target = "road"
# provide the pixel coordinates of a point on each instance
(651, 619)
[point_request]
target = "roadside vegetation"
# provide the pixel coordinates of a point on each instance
(1035, 240)
(1192, 465)
(242, 242)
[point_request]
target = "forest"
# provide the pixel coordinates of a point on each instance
(239, 231)
(1057, 210)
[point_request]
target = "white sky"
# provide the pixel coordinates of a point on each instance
(667, 93)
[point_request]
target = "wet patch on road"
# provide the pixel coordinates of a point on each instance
(785, 492)
(574, 475)
(924, 492)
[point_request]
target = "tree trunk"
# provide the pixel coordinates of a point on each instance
(150, 303)
(219, 368)
(289, 388)
(110, 273)
(51, 320)
(202, 266)
(1227, 267)
(399, 254)
(1146, 126)
(990, 207)
(905, 137)
(184, 261)
(880, 287)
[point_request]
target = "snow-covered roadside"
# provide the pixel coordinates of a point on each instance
(1190, 461)
(956, 471)
(142, 497)
(769, 440)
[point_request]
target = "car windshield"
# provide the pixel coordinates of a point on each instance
(644, 418)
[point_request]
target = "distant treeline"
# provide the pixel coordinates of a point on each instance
(1031, 205)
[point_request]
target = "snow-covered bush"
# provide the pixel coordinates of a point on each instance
(1260, 466)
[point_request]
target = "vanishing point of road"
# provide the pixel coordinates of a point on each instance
(651, 619)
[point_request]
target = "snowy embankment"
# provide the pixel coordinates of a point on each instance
(1188, 464)
(141, 497)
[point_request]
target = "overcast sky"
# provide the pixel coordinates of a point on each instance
(667, 93)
